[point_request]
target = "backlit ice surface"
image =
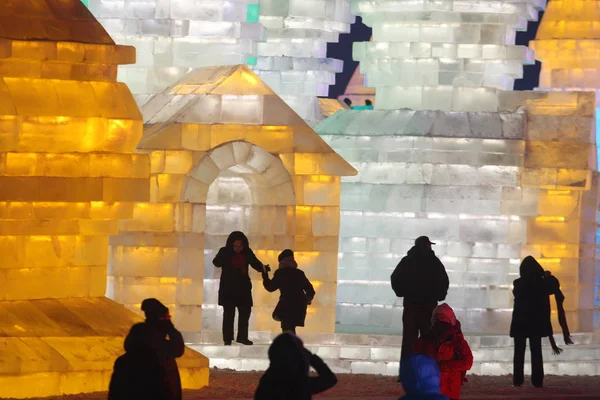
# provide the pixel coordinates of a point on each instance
(293, 60)
(446, 55)
(488, 188)
(172, 37)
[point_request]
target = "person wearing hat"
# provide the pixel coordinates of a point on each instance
(296, 292)
(421, 279)
(148, 369)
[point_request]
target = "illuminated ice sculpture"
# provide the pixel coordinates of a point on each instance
(228, 154)
(293, 59)
(68, 174)
(490, 175)
(172, 37)
(443, 55)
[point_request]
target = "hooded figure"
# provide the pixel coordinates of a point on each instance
(446, 344)
(287, 376)
(421, 279)
(296, 292)
(420, 378)
(148, 369)
(531, 318)
(235, 287)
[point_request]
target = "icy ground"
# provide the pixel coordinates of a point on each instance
(233, 385)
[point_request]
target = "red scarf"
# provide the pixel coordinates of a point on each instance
(238, 261)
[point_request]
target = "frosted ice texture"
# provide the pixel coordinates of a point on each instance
(172, 37)
(467, 181)
(293, 59)
(446, 55)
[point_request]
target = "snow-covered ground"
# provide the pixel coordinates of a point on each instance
(233, 385)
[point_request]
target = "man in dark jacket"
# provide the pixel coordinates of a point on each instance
(421, 279)
(148, 369)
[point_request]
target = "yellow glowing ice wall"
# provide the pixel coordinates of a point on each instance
(68, 173)
(222, 137)
(568, 44)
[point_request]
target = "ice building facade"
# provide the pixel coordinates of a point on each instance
(443, 55)
(172, 37)
(69, 173)
(450, 152)
(293, 59)
(228, 154)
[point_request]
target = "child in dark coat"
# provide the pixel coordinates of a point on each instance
(296, 292)
(287, 376)
(446, 344)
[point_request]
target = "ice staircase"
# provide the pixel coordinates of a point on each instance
(379, 354)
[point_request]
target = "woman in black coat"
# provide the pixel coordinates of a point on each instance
(235, 287)
(531, 318)
(296, 292)
(148, 369)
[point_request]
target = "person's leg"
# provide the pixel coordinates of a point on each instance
(287, 327)
(519, 361)
(410, 330)
(243, 321)
(228, 317)
(424, 319)
(537, 362)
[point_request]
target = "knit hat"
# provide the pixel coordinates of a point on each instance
(153, 309)
(444, 313)
(284, 254)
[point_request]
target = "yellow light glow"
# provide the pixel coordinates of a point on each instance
(550, 219)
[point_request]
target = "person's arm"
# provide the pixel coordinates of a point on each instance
(555, 349)
(254, 261)
(398, 276)
(463, 360)
(442, 281)
(270, 285)
(326, 379)
(219, 260)
(174, 347)
(553, 285)
(308, 288)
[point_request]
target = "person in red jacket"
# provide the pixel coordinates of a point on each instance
(447, 345)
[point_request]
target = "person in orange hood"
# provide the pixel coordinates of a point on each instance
(447, 345)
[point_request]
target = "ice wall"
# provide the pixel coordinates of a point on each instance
(443, 55)
(489, 188)
(172, 37)
(227, 153)
(293, 60)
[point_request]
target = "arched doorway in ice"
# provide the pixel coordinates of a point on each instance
(223, 144)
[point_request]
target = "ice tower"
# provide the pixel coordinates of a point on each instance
(293, 60)
(172, 37)
(444, 55)
(68, 174)
(228, 154)
(450, 152)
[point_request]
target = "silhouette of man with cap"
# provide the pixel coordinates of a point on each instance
(421, 279)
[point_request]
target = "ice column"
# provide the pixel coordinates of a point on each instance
(443, 55)
(174, 36)
(293, 60)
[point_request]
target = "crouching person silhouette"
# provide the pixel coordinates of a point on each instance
(420, 378)
(148, 369)
(287, 376)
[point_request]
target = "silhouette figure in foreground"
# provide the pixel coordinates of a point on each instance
(235, 287)
(447, 345)
(296, 292)
(287, 377)
(421, 279)
(148, 369)
(420, 378)
(531, 319)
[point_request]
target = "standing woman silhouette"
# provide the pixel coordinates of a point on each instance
(235, 288)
